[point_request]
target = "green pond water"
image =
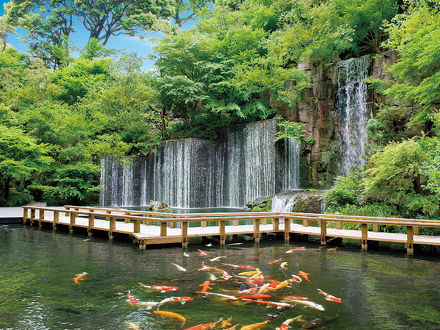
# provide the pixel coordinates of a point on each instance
(378, 290)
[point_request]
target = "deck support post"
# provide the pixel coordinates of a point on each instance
(323, 232)
(184, 225)
(364, 239)
(276, 224)
(25, 215)
(112, 227)
(257, 230)
(72, 221)
(56, 219)
(142, 245)
(222, 228)
(40, 218)
(163, 228)
(32, 216)
(137, 226)
(287, 229)
(410, 240)
(91, 224)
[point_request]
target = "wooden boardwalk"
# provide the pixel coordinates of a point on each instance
(149, 228)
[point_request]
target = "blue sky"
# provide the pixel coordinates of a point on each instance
(142, 47)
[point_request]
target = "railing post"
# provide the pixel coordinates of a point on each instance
(163, 228)
(305, 222)
(287, 229)
(112, 227)
(264, 221)
(137, 226)
(202, 223)
(276, 224)
(375, 227)
(67, 213)
(222, 228)
(364, 239)
(416, 230)
(257, 230)
(235, 222)
(40, 218)
(184, 225)
(127, 220)
(72, 221)
(91, 224)
(323, 232)
(56, 219)
(410, 240)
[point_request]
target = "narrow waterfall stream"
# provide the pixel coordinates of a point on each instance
(190, 173)
(352, 110)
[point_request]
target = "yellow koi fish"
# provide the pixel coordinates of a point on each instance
(254, 326)
(171, 314)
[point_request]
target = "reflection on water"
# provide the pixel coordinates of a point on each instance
(378, 290)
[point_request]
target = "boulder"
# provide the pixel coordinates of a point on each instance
(158, 206)
(260, 204)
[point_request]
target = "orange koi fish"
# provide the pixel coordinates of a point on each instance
(205, 286)
(202, 253)
(304, 275)
(332, 249)
(273, 283)
(205, 326)
(171, 314)
(254, 326)
(79, 277)
(286, 323)
(255, 296)
(274, 261)
(329, 297)
(161, 288)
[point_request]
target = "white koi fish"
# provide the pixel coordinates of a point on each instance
(221, 295)
(264, 288)
(216, 258)
(182, 300)
(185, 254)
(179, 267)
(310, 304)
(212, 277)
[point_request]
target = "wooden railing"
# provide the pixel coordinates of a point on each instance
(221, 219)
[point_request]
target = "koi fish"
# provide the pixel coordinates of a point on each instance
(221, 295)
(281, 285)
(226, 276)
(205, 286)
(212, 277)
(225, 323)
(131, 299)
(302, 248)
(232, 244)
(79, 277)
(208, 245)
(202, 253)
(179, 267)
(295, 278)
(274, 261)
(132, 326)
(207, 268)
(284, 265)
(216, 258)
(182, 300)
(329, 297)
(171, 314)
(255, 272)
(264, 288)
(291, 298)
(185, 254)
(304, 275)
(205, 326)
(148, 304)
(254, 326)
(286, 323)
(239, 267)
(255, 296)
(278, 305)
(308, 303)
(161, 288)
(332, 249)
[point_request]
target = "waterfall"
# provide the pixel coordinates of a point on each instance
(190, 173)
(352, 110)
(284, 202)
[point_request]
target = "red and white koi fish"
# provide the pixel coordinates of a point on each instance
(286, 323)
(202, 253)
(302, 248)
(255, 296)
(304, 275)
(274, 261)
(182, 300)
(161, 288)
(239, 267)
(79, 277)
(133, 301)
(207, 268)
(205, 286)
(216, 258)
(308, 303)
(295, 278)
(179, 267)
(226, 276)
(329, 297)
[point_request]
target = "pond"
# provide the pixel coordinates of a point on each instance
(378, 290)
